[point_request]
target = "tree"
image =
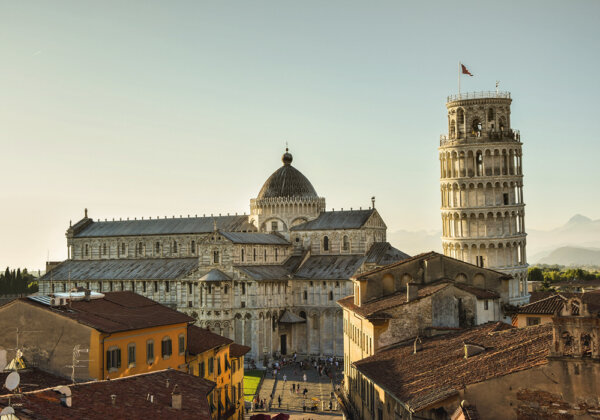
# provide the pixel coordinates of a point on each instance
(535, 274)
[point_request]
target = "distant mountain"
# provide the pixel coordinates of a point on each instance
(568, 255)
(575, 242)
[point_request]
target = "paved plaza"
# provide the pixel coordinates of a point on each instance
(319, 392)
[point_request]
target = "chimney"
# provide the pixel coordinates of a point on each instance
(113, 399)
(88, 295)
(412, 291)
(176, 398)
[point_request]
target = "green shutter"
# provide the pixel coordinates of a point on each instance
(118, 358)
(108, 360)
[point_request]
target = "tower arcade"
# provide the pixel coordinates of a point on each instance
(481, 181)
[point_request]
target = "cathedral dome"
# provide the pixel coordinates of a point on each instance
(287, 181)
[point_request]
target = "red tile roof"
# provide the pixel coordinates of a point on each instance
(33, 378)
(554, 303)
(375, 308)
(201, 340)
(237, 350)
(92, 400)
(118, 311)
(440, 370)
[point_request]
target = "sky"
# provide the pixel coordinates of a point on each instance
(154, 108)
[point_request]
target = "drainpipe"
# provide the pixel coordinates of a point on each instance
(102, 351)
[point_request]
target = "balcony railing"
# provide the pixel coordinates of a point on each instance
(478, 137)
(478, 95)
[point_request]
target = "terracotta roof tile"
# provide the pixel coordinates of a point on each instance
(201, 340)
(440, 369)
(118, 311)
(237, 350)
(33, 378)
(92, 400)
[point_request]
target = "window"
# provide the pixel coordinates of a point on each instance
(211, 366)
(131, 355)
(87, 250)
(325, 243)
(166, 348)
(225, 289)
(227, 365)
(331, 296)
(103, 249)
(110, 284)
(193, 247)
(190, 288)
(113, 358)
(150, 351)
(122, 286)
(243, 288)
(305, 295)
(215, 257)
(276, 254)
(242, 254)
(181, 342)
(157, 247)
(167, 286)
(123, 252)
(533, 320)
(156, 286)
(175, 247)
(209, 289)
(479, 260)
(140, 248)
(345, 243)
(486, 304)
(201, 370)
(274, 226)
(218, 365)
(254, 250)
(265, 255)
(144, 286)
(491, 114)
(505, 197)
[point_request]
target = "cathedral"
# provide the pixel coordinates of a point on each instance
(269, 280)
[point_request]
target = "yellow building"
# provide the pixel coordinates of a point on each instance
(95, 336)
(218, 359)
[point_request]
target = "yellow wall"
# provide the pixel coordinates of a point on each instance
(237, 381)
(223, 380)
(100, 343)
(521, 320)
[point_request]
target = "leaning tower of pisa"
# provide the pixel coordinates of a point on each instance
(483, 213)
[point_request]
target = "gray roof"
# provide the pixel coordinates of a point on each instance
(344, 219)
(287, 181)
(146, 269)
(330, 267)
(254, 238)
(382, 253)
(264, 272)
(182, 225)
(215, 275)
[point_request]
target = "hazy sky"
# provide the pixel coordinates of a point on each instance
(146, 108)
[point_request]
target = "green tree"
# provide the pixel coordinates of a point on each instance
(535, 274)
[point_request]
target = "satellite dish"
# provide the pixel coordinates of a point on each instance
(12, 381)
(7, 411)
(65, 390)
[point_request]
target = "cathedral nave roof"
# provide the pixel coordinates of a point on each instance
(254, 238)
(134, 269)
(330, 267)
(180, 225)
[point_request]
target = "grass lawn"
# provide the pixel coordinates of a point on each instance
(251, 381)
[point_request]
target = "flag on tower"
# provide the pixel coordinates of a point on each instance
(465, 71)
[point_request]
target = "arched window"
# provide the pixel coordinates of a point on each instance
(452, 128)
(330, 295)
(243, 254)
(103, 249)
(123, 251)
(140, 248)
(345, 243)
(254, 256)
(215, 257)
(302, 314)
(460, 116)
(491, 114)
(175, 247)
(325, 243)
(157, 247)
(193, 247)
(276, 254)
(265, 254)
(87, 250)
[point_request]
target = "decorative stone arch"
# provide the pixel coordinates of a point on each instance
(389, 284)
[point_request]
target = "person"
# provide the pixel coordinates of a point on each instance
(297, 388)
(294, 387)
(279, 401)
(305, 392)
(304, 377)
(284, 378)
(330, 405)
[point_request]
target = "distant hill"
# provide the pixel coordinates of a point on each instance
(569, 255)
(577, 242)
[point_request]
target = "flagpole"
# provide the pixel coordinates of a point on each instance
(459, 80)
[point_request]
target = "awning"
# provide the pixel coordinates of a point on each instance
(289, 317)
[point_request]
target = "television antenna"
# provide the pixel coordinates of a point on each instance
(77, 351)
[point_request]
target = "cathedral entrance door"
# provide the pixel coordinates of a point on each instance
(283, 339)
